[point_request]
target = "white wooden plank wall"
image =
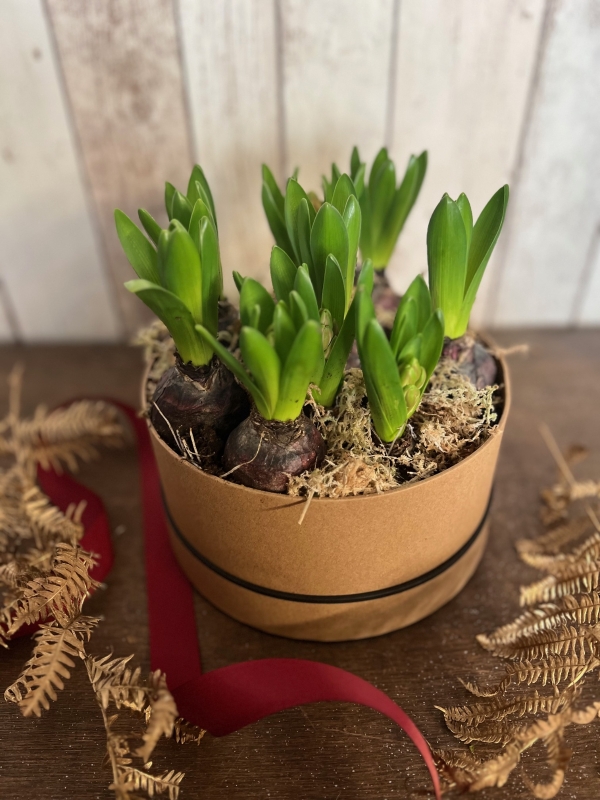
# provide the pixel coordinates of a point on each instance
(336, 65)
(230, 57)
(464, 70)
(51, 269)
(101, 102)
(556, 210)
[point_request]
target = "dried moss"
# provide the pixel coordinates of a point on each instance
(159, 352)
(453, 419)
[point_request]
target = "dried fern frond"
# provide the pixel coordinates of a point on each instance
(185, 733)
(497, 709)
(577, 578)
(556, 539)
(488, 731)
(67, 435)
(561, 641)
(133, 780)
(49, 665)
(552, 670)
(48, 522)
(161, 714)
(60, 594)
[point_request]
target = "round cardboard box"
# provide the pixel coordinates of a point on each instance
(356, 567)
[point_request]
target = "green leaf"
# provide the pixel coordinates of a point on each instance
(343, 190)
(294, 195)
(212, 279)
(253, 294)
(238, 280)
(419, 290)
(304, 222)
(334, 294)
(366, 239)
(178, 319)
(199, 212)
(328, 237)
(382, 195)
(432, 343)
(151, 226)
(363, 302)
(303, 286)
(355, 162)
(273, 188)
(406, 325)
(202, 191)
(303, 366)
(462, 201)
(183, 275)
(284, 331)
(283, 273)
(378, 163)
(263, 363)
(234, 366)
(404, 199)
(384, 390)
(182, 209)
(447, 261)
(276, 221)
(485, 235)
(169, 194)
(298, 311)
(352, 221)
(140, 253)
(336, 362)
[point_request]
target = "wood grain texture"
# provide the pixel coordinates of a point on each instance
(51, 268)
(556, 207)
(230, 58)
(326, 751)
(121, 66)
(463, 74)
(336, 63)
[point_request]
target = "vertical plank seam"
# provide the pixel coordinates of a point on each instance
(185, 84)
(585, 277)
(280, 87)
(390, 116)
(10, 312)
(516, 172)
(86, 183)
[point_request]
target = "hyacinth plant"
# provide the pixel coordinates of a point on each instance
(180, 279)
(397, 370)
(281, 348)
(315, 257)
(458, 253)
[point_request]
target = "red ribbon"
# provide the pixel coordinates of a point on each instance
(226, 699)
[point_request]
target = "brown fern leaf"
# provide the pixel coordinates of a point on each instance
(558, 759)
(66, 435)
(60, 594)
(456, 768)
(577, 578)
(161, 714)
(552, 670)
(531, 621)
(562, 564)
(133, 780)
(49, 523)
(489, 731)
(115, 681)
(496, 771)
(561, 641)
(555, 540)
(497, 709)
(184, 732)
(49, 665)
(584, 609)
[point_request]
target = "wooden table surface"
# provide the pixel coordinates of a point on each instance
(337, 752)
